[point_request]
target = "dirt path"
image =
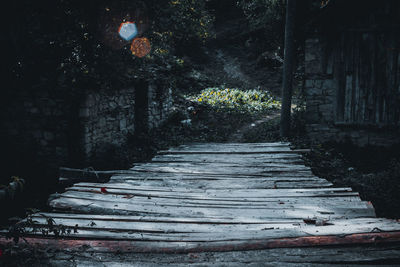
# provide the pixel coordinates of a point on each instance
(232, 68)
(237, 137)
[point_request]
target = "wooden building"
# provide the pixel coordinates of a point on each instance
(352, 68)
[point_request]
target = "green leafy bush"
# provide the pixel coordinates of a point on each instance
(253, 101)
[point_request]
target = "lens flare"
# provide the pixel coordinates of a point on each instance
(140, 47)
(128, 30)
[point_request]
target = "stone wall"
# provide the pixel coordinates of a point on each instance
(323, 81)
(45, 129)
(106, 118)
(35, 129)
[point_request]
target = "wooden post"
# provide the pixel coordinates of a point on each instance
(288, 66)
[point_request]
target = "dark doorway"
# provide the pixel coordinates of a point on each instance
(141, 107)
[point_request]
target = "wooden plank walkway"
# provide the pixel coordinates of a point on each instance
(210, 197)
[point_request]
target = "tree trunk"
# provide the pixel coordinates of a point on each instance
(288, 66)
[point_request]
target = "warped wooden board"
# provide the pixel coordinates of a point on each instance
(379, 248)
(90, 205)
(141, 176)
(239, 172)
(232, 158)
(219, 168)
(232, 179)
(270, 144)
(221, 148)
(366, 255)
(243, 146)
(219, 232)
(227, 183)
(224, 165)
(281, 203)
(177, 220)
(236, 151)
(125, 184)
(165, 227)
(129, 246)
(212, 176)
(214, 193)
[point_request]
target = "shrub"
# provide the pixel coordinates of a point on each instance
(253, 101)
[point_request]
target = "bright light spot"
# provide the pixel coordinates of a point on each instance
(141, 47)
(128, 31)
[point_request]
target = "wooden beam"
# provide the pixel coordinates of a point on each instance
(191, 247)
(288, 67)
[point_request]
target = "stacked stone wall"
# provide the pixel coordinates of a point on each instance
(46, 129)
(34, 130)
(106, 118)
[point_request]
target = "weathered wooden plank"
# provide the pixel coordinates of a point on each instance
(228, 183)
(221, 167)
(297, 151)
(110, 207)
(211, 178)
(216, 193)
(235, 156)
(230, 158)
(194, 176)
(280, 203)
(161, 227)
(225, 183)
(226, 172)
(231, 145)
(201, 220)
(226, 196)
(367, 255)
(333, 227)
(286, 252)
(231, 233)
(143, 177)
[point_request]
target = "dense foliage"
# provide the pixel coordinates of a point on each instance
(252, 101)
(74, 44)
(265, 17)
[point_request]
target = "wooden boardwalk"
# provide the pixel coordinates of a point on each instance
(211, 197)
